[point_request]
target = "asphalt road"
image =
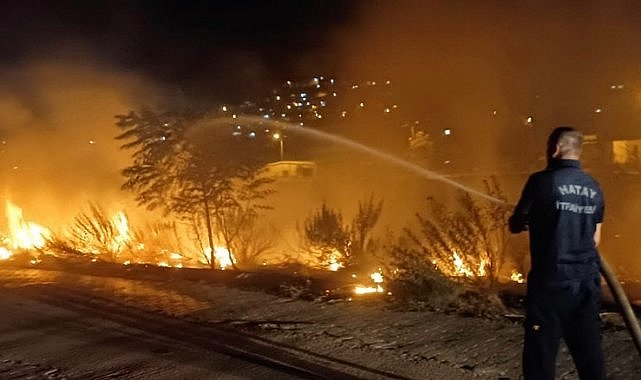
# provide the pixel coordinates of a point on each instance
(49, 333)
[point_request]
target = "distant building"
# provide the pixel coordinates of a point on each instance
(626, 152)
(291, 169)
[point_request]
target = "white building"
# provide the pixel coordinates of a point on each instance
(291, 169)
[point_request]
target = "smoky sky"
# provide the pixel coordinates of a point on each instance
(205, 50)
(483, 68)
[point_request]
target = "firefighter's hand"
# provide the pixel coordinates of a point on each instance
(518, 223)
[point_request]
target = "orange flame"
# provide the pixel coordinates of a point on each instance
(334, 261)
(368, 289)
(222, 256)
(23, 234)
(120, 240)
(377, 278)
(460, 267)
(5, 254)
(517, 277)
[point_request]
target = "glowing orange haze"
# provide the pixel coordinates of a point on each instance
(57, 120)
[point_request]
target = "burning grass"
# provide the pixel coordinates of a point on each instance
(99, 236)
(415, 281)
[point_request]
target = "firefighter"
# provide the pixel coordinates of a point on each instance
(562, 208)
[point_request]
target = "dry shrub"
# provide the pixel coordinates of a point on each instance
(93, 233)
(97, 235)
(423, 287)
(416, 282)
(479, 302)
(476, 232)
(301, 291)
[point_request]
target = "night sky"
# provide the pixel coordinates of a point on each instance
(207, 50)
(230, 50)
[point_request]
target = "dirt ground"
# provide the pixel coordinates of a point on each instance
(363, 330)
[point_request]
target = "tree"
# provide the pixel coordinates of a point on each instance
(188, 165)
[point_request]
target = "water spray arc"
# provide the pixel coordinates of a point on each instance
(354, 145)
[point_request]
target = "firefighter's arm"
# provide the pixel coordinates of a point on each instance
(518, 222)
(597, 234)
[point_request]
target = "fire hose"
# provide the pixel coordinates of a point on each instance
(627, 313)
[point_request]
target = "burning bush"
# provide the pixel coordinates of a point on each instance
(441, 262)
(25, 239)
(416, 279)
(327, 237)
(418, 284)
(335, 244)
(102, 237)
(95, 233)
(467, 244)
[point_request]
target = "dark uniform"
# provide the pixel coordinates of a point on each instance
(560, 206)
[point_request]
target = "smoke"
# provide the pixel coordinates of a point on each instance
(57, 129)
(482, 68)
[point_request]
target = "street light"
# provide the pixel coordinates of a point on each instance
(277, 136)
